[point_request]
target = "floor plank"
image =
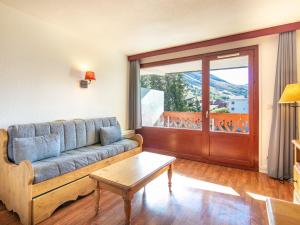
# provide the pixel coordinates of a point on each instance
(202, 194)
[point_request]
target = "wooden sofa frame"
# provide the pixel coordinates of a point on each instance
(36, 202)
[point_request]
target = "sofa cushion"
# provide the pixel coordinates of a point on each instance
(108, 150)
(73, 134)
(110, 135)
(44, 170)
(42, 129)
(65, 163)
(70, 135)
(127, 144)
(74, 159)
(18, 131)
(91, 132)
(36, 148)
(80, 133)
(58, 128)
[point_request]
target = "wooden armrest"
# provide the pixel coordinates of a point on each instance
(138, 138)
(16, 183)
(4, 161)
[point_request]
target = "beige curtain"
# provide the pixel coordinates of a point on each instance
(280, 153)
(135, 118)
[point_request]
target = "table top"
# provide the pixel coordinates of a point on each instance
(131, 171)
(282, 212)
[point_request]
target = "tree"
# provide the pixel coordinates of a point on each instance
(176, 93)
(158, 83)
(145, 81)
(152, 81)
(175, 90)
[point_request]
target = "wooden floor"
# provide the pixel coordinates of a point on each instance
(202, 194)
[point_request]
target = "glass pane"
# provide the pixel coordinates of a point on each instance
(171, 95)
(229, 104)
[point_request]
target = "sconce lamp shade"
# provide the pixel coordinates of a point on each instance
(291, 94)
(90, 75)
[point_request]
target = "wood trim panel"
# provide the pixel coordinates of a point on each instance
(197, 57)
(182, 155)
(256, 107)
(172, 61)
(173, 140)
(220, 40)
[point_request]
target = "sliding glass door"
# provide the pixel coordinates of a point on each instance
(231, 111)
(204, 109)
(228, 95)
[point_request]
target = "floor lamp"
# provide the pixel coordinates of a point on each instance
(291, 95)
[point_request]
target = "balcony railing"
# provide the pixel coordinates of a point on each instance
(223, 122)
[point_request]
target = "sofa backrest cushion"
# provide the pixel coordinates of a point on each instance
(110, 135)
(36, 148)
(73, 133)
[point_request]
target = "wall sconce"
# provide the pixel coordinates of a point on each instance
(89, 76)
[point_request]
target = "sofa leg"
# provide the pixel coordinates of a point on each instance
(24, 211)
(26, 218)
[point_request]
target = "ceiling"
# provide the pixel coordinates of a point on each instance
(135, 26)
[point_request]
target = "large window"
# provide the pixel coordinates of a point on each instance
(229, 102)
(172, 95)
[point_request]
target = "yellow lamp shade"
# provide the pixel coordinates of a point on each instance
(291, 94)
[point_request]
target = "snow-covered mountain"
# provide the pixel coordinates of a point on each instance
(217, 86)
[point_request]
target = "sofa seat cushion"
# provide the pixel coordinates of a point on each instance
(127, 144)
(115, 148)
(65, 163)
(108, 151)
(69, 161)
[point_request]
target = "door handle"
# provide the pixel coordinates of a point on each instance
(206, 114)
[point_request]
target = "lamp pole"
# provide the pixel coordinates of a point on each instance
(291, 96)
(295, 106)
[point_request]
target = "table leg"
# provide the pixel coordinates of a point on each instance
(170, 173)
(97, 198)
(127, 208)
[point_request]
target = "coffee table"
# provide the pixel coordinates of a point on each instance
(128, 176)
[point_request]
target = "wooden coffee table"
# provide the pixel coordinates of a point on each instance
(128, 176)
(282, 212)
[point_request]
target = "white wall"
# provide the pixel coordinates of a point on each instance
(40, 71)
(267, 68)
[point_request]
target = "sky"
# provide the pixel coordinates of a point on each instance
(235, 76)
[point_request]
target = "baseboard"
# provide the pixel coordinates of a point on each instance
(199, 159)
(263, 170)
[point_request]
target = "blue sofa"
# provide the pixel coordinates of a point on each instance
(54, 158)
